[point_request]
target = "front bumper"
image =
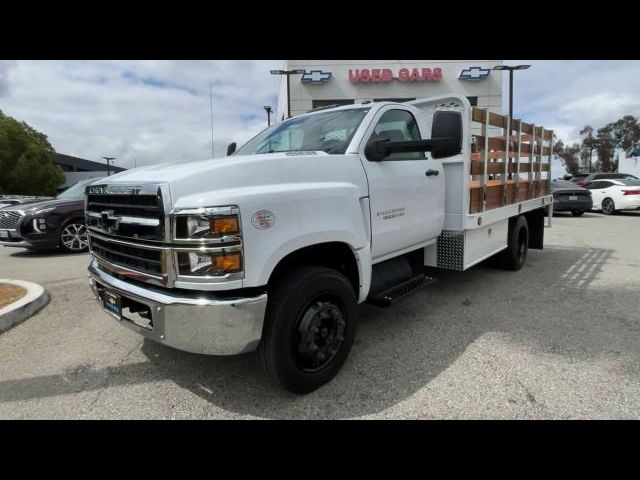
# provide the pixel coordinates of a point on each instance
(197, 322)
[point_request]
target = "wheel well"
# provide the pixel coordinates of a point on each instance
(336, 255)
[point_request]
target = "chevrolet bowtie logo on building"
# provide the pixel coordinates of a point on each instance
(316, 76)
(474, 73)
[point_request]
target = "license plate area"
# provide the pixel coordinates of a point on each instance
(4, 234)
(573, 197)
(112, 303)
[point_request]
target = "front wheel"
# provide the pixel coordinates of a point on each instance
(74, 237)
(309, 328)
(608, 206)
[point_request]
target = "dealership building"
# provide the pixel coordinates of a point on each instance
(343, 82)
(76, 169)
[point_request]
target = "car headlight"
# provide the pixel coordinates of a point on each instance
(202, 263)
(217, 232)
(204, 224)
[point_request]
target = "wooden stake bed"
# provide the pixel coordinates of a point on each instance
(510, 168)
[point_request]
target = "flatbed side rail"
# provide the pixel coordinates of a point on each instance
(509, 167)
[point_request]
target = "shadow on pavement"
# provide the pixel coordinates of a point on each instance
(398, 350)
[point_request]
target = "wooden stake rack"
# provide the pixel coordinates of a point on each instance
(499, 176)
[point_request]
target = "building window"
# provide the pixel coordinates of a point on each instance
(326, 103)
(397, 100)
(473, 101)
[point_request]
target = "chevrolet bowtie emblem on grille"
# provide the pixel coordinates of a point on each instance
(109, 221)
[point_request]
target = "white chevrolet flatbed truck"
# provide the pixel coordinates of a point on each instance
(274, 246)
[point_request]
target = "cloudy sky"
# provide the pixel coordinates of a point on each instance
(158, 111)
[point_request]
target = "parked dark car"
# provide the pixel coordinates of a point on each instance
(56, 223)
(575, 177)
(602, 176)
(568, 197)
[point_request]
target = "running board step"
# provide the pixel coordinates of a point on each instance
(396, 293)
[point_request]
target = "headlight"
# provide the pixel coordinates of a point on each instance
(217, 232)
(207, 223)
(200, 263)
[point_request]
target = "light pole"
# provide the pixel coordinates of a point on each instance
(288, 73)
(268, 109)
(511, 68)
(109, 159)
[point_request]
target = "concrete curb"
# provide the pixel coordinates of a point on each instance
(17, 312)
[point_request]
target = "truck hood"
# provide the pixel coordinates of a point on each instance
(228, 179)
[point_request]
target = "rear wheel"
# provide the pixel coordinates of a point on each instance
(309, 328)
(577, 213)
(74, 237)
(515, 255)
(608, 206)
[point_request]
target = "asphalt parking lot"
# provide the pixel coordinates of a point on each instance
(558, 339)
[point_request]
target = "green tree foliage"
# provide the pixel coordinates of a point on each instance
(569, 154)
(600, 144)
(26, 160)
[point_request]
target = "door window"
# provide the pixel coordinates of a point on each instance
(398, 126)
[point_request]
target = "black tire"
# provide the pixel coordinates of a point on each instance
(73, 237)
(577, 213)
(608, 206)
(307, 298)
(515, 255)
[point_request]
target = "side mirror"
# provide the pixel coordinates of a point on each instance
(446, 134)
(231, 148)
(376, 151)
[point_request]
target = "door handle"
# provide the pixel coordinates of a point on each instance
(430, 173)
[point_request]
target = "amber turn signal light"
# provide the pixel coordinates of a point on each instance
(225, 225)
(228, 262)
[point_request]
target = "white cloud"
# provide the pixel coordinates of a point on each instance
(157, 111)
(147, 111)
(567, 95)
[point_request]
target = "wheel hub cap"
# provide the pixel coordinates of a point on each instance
(320, 335)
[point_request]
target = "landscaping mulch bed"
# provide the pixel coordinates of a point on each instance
(10, 293)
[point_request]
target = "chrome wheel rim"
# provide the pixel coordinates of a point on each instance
(607, 206)
(74, 237)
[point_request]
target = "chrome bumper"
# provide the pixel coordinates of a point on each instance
(197, 323)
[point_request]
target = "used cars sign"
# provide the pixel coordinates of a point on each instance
(384, 75)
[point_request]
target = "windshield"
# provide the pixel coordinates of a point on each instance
(76, 190)
(329, 132)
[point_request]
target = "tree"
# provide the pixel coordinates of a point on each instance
(605, 146)
(626, 131)
(568, 155)
(26, 160)
(589, 144)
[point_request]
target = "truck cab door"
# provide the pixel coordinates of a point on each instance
(406, 191)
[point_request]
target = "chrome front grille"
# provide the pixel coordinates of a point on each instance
(116, 210)
(9, 219)
(134, 257)
(129, 230)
